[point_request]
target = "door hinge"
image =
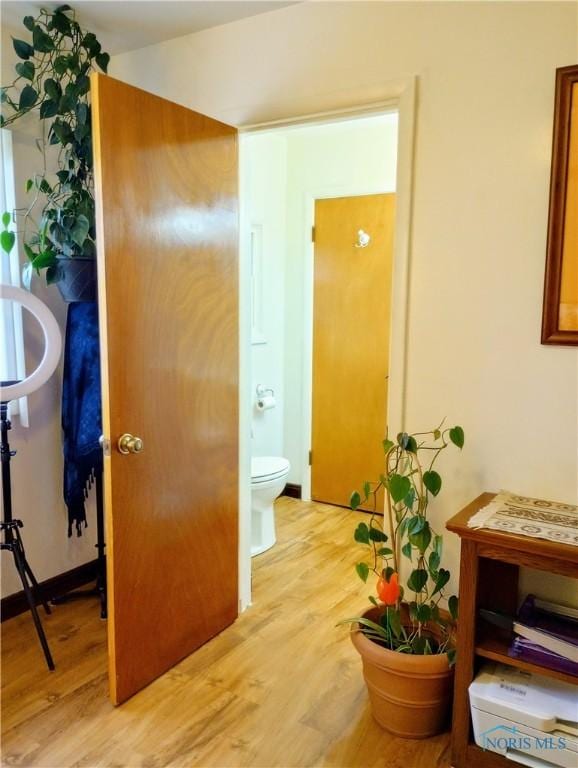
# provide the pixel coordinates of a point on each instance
(313, 234)
(310, 458)
(105, 445)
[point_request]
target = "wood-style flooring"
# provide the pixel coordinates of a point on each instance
(282, 687)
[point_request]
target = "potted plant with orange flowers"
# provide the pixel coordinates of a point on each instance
(405, 638)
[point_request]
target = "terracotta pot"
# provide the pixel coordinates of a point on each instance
(410, 695)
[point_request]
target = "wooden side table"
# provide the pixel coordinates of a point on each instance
(489, 566)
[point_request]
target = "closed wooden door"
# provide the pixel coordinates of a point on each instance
(351, 329)
(166, 192)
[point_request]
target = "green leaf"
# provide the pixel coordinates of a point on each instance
(406, 549)
(394, 621)
(417, 580)
(434, 562)
(44, 259)
(29, 252)
(45, 187)
(28, 22)
(375, 534)
(60, 64)
(48, 108)
(457, 436)
(362, 571)
(54, 274)
(452, 656)
(384, 552)
(102, 59)
(62, 132)
(438, 545)
(23, 50)
(355, 500)
(373, 601)
(25, 69)
(441, 581)
(407, 442)
(416, 524)
(82, 116)
(62, 8)
(41, 41)
(422, 539)
(29, 184)
(361, 533)
(453, 607)
(6, 218)
(61, 22)
(410, 498)
(388, 573)
(423, 612)
(398, 487)
(79, 231)
(91, 44)
(28, 97)
(363, 622)
(418, 645)
(432, 482)
(7, 240)
(52, 89)
(82, 85)
(387, 445)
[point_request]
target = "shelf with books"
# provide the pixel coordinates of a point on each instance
(495, 647)
(489, 579)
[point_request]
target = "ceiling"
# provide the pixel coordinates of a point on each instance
(124, 25)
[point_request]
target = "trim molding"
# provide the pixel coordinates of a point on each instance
(12, 605)
(293, 490)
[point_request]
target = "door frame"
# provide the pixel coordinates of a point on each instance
(400, 96)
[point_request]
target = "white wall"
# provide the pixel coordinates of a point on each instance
(350, 158)
(482, 163)
(265, 192)
(37, 468)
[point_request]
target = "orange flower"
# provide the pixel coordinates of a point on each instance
(388, 591)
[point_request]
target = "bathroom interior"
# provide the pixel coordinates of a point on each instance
(284, 171)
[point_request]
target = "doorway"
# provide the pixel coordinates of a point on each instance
(290, 342)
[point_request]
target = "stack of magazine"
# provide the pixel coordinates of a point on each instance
(547, 634)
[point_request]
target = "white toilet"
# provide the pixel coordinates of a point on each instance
(268, 478)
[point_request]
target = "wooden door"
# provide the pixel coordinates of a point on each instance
(166, 192)
(351, 327)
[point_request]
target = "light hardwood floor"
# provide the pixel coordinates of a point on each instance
(280, 688)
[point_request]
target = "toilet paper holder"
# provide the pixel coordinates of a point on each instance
(265, 398)
(263, 391)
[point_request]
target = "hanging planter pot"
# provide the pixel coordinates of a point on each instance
(77, 278)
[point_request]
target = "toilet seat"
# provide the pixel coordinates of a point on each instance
(267, 468)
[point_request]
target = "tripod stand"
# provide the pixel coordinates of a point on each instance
(12, 540)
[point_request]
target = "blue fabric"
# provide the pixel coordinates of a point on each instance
(81, 409)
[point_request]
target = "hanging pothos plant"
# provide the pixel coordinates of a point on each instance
(52, 78)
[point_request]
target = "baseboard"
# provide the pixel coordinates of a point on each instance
(293, 490)
(12, 605)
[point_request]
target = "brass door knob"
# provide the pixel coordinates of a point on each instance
(128, 443)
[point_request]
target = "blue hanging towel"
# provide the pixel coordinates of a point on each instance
(81, 409)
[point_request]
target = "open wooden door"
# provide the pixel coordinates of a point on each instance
(351, 331)
(166, 194)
